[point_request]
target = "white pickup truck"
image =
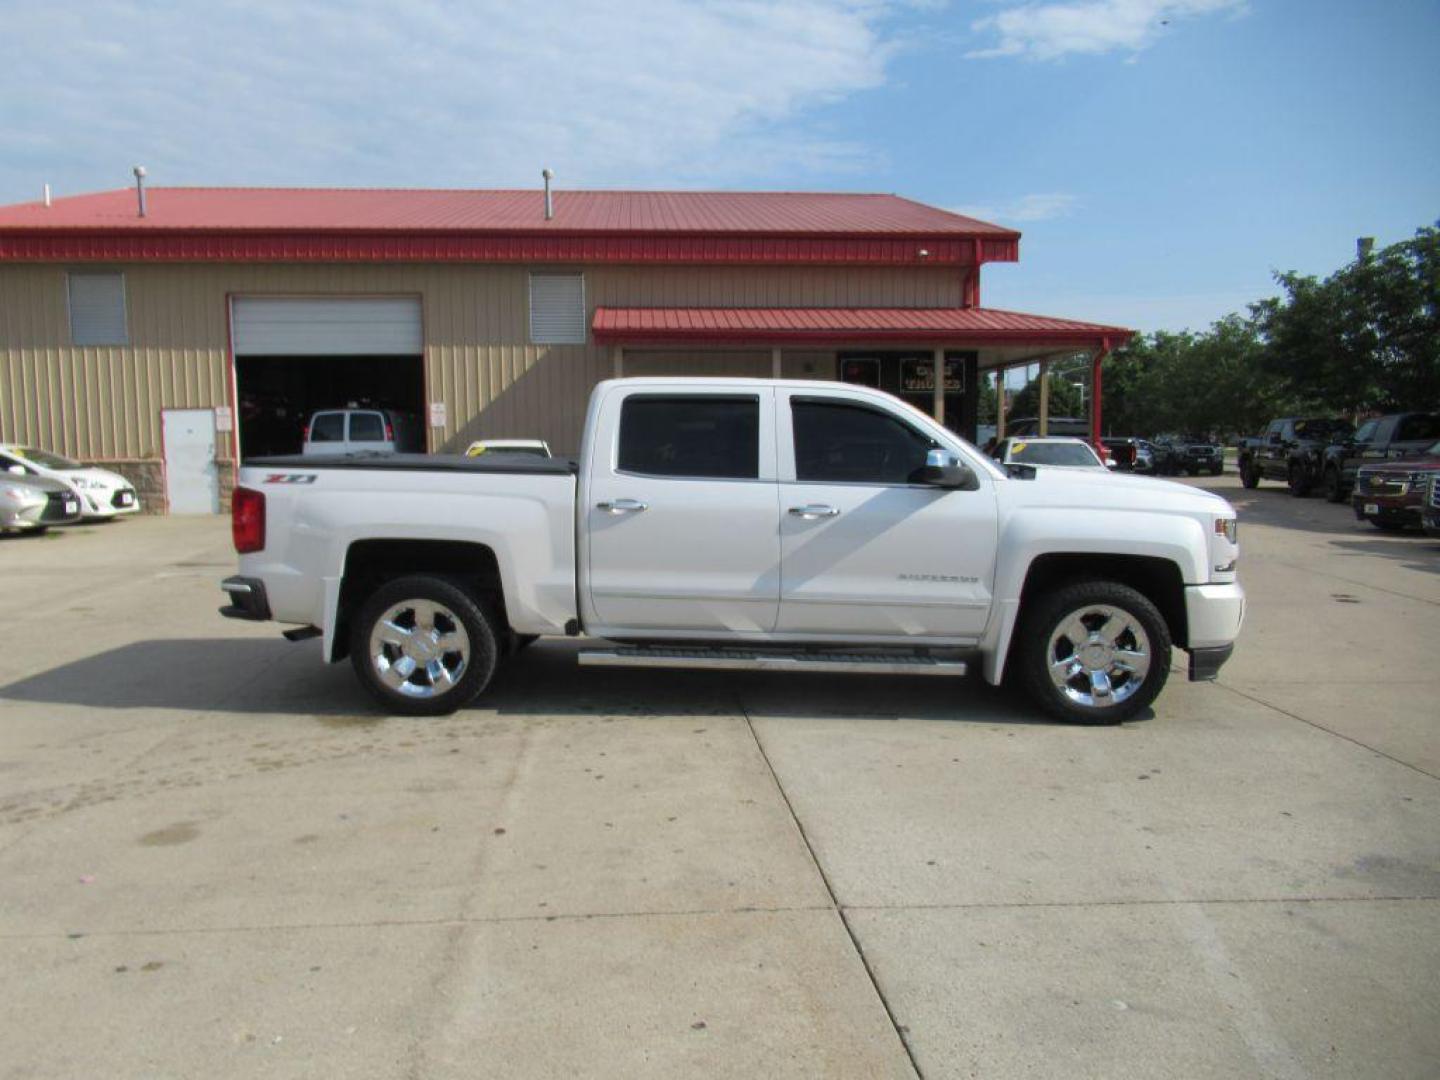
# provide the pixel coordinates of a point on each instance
(743, 524)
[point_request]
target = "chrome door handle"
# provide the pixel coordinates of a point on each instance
(622, 506)
(813, 511)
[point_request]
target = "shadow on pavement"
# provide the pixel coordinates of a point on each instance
(250, 675)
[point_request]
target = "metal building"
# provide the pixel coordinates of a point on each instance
(171, 337)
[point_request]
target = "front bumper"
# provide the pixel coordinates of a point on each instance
(1214, 615)
(247, 599)
(1205, 664)
(1391, 509)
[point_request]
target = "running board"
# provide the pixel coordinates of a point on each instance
(731, 659)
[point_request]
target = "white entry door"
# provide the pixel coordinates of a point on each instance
(192, 480)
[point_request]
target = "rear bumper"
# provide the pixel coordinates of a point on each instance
(1213, 615)
(247, 599)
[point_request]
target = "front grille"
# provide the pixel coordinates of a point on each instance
(55, 509)
(1382, 483)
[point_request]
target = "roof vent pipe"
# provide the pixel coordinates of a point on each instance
(549, 199)
(47, 194)
(139, 171)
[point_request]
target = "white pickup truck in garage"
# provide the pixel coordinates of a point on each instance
(743, 524)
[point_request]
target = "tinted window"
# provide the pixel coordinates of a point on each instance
(1367, 431)
(366, 427)
(1419, 427)
(836, 442)
(328, 427)
(691, 436)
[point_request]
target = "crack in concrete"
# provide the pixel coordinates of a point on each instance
(1321, 727)
(895, 1025)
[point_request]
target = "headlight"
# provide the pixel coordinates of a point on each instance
(1228, 527)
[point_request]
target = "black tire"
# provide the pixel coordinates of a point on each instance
(1298, 480)
(1334, 486)
(1387, 526)
(1216, 470)
(419, 694)
(1248, 477)
(1041, 642)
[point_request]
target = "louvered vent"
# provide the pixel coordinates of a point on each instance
(557, 309)
(97, 309)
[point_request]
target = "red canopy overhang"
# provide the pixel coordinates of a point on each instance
(840, 327)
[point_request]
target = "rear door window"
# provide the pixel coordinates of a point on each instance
(367, 427)
(328, 427)
(691, 436)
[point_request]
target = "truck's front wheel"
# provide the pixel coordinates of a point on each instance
(422, 646)
(1094, 652)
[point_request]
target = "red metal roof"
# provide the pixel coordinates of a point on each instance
(323, 225)
(384, 210)
(828, 326)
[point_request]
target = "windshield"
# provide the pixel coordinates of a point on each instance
(1322, 429)
(45, 459)
(1032, 453)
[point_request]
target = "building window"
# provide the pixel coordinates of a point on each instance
(557, 309)
(717, 437)
(97, 309)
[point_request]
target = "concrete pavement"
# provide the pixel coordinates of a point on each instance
(215, 859)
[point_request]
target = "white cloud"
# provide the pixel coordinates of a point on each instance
(1041, 206)
(431, 92)
(1050, 31)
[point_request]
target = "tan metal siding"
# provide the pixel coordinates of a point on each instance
(98, 403)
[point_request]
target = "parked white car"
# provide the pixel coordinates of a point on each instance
(103, 494)
(33, 504)
(750, 524)
(1049, 451)
(533, 447)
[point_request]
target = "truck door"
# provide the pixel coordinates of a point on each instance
(681, 513)
(864, 550)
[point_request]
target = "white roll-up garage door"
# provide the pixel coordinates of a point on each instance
(333, 326)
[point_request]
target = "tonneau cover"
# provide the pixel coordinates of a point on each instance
(483, 463)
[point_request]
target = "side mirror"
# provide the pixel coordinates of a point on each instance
(954, 477)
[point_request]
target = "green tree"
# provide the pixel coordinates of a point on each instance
(1366, 338)
(1065, 398)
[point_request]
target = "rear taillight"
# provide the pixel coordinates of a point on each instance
(305, 434)
(389, 433)
(247, 520)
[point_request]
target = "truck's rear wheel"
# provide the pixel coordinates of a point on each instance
(1248, 476)
(1299, 480)
(1094, 652)
(1334, 485)
(422, 646)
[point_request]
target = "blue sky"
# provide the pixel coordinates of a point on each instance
(1162, 157)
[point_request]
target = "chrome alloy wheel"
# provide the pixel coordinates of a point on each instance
(1098, 655)
(419, 648)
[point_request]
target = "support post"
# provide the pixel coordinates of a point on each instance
(1044, 377)
(938, 401)
(1095, 391)
(775, 368)
(999, 403)
(617, 355)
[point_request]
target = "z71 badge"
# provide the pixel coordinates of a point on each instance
(290, 478)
